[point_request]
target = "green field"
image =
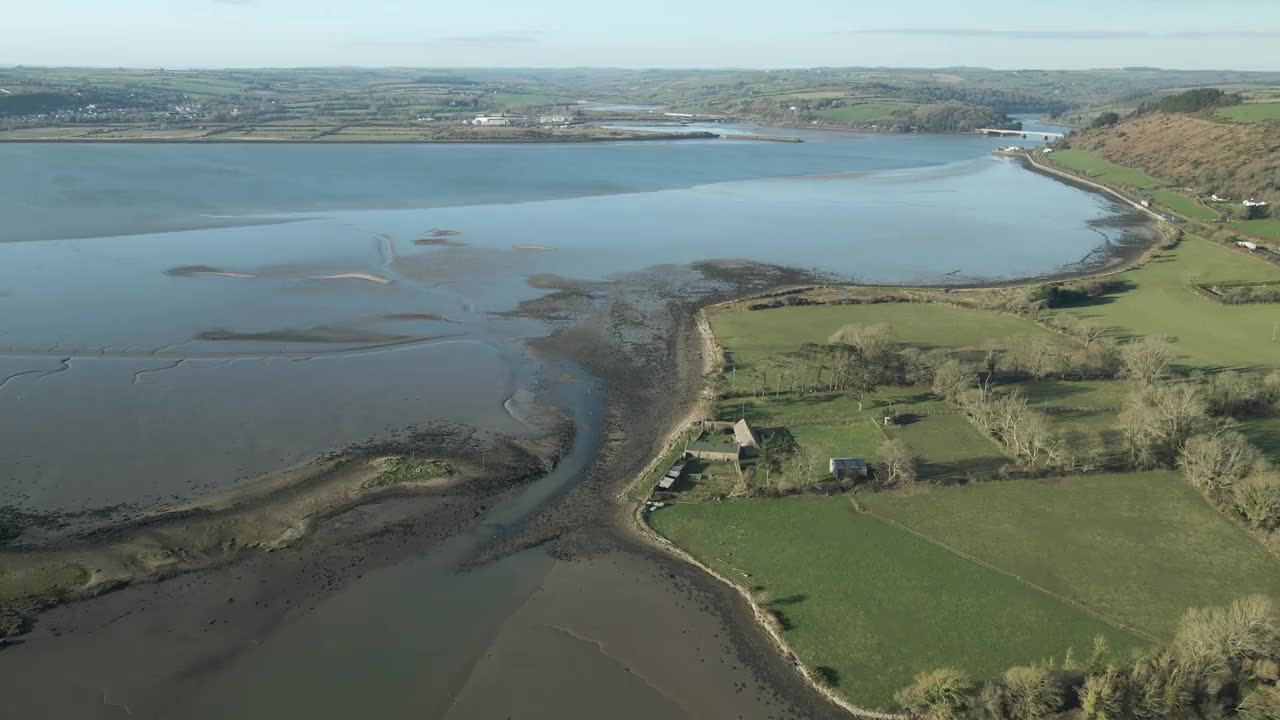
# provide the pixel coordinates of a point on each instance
(1268, 228)
(926, 325)
(872, 602)
(1138, 548)
(1086, 163)
(1159, 301)
(1183, 205)
(1251, 113)
(870, 110)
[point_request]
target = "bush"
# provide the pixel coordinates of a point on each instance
(1102, 696)
(1214, 463)
(1030, 693)
(1257, 499)
(938, 695)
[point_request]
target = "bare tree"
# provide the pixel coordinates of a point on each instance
(938, 695)
(1147, 360)
(1213, 463)
(898, 462)
(1157, 420)
(1257, 498)
(952, 378)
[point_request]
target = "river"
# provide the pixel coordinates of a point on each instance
(182, 319)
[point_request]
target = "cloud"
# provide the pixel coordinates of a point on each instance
(236, 2)
(492, 40)
(1068, 34)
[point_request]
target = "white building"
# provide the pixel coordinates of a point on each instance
(1255, 203)
(499, 120)
(1247, 245)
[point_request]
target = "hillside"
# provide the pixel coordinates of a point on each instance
(1237, 160)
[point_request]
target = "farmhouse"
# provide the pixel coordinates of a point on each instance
(847, 468)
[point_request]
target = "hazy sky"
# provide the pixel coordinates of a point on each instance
(1238, 34)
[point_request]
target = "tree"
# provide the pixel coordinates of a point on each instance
(952, 378)
(1263, 703)
(1147, 360)
(1030, 692)
(802, 466)
(937, 695)
(1213, 463)
(1257, 498)
(1220, 639)
(1105, 120)
(772, 453)
(1157, 420)
(898, 462)
(865, 361)
(1102, 696)
(1086, 331)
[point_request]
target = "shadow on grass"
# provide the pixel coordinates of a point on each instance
(828, 675)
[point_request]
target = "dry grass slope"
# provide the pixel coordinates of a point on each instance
(1184, 150)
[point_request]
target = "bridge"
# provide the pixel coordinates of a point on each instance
(1020, 133)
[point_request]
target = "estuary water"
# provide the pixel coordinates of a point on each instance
(181, 318)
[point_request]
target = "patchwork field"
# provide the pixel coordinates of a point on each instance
(1159, 301)
(962, 569)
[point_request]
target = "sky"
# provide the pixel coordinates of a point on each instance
(1063, 34)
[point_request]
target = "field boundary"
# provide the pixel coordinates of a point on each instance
(1039, 588)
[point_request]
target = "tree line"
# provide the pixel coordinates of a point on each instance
(1223, 661)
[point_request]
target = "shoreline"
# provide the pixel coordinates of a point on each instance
(712, 353)
(329, 140)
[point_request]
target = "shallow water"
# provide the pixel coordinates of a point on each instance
(131, 375)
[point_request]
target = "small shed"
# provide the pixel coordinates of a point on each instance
(842, 468)
(673, 474)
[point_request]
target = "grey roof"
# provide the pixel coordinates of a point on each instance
(846, 463)
(704, 446)
(666, 482)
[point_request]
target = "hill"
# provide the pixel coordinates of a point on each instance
(1206, 155)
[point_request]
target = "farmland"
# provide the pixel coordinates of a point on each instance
(1159, 301)
(1251, 113)
(969, 567)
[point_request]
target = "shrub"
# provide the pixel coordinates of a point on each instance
(1102, 696)
(1027, 693)
(1257, 499)
(938, 695)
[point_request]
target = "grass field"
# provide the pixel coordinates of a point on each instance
(1138, 548)
(1183, 205)
(1268, 228)
(925, 325)
(1086, 163)
(1159, 301)
(873, 603)
(1251, 113)
(870, 110)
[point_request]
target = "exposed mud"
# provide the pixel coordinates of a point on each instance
(316, 334)
(644, 631)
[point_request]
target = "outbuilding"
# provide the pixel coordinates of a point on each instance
(847, 468)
